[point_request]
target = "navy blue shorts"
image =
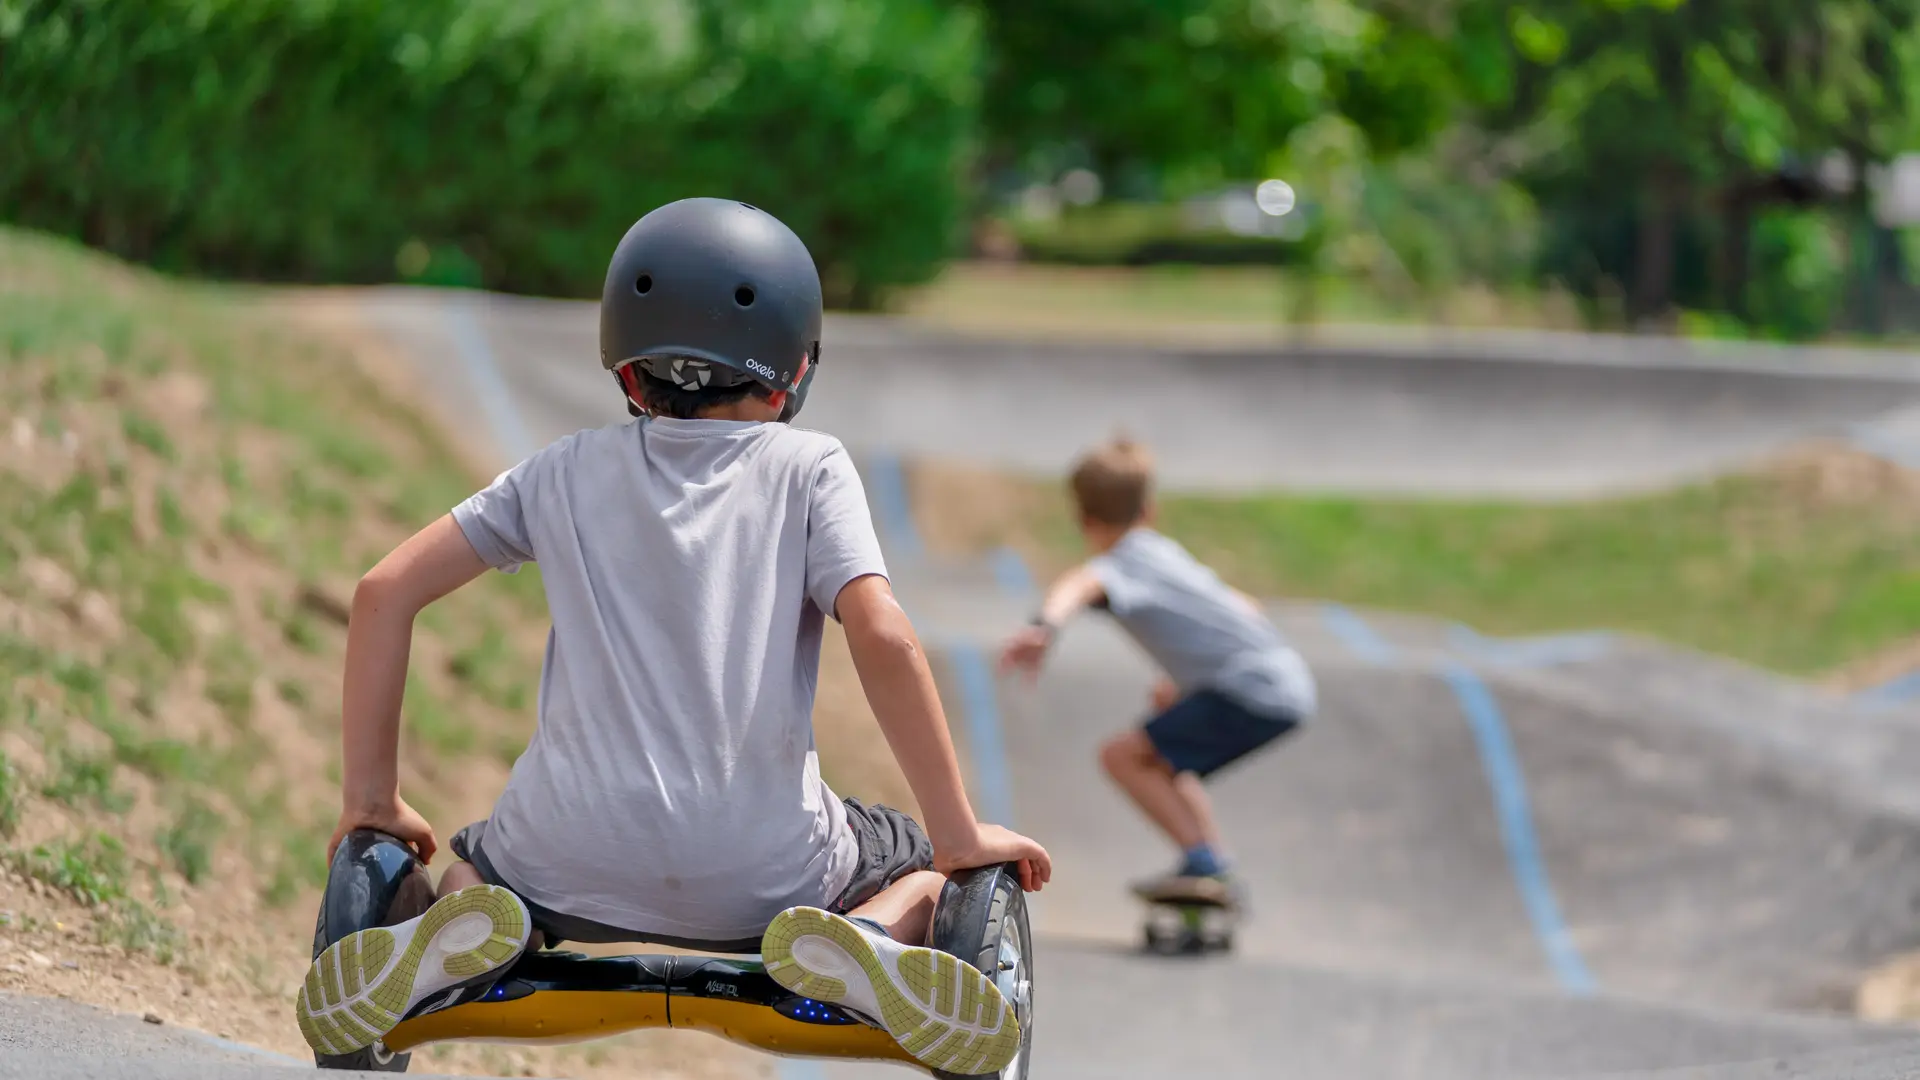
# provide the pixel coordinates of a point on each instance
(1206, 731)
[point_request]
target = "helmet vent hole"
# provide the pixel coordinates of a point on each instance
(743, 296)
(643, 284)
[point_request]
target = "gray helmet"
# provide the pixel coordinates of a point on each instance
(712, 292)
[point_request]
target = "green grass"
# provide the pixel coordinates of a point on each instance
(492, 670)
(81, 779)
(231, 669)
(1748, 566)
(9, 796)
(291, 692)
(96, 871)
(187, 842)
(144, 432)
(437, 725)
(302, 632)
(92, 870)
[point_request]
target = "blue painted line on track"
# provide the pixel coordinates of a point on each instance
(1355, 634)
(1508, 784)
(979, 700)
(1011, 573)
(888, 481)
(1903, 689)
(483, 371)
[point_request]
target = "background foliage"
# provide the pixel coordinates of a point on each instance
(504, 142)
(1652, 156)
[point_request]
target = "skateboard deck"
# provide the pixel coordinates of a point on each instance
(1189, 918)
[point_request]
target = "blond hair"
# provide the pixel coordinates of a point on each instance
(1111, 483)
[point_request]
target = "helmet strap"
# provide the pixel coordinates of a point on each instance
(786, 414)
(629, 380)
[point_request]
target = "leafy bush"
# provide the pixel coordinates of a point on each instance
(499, 142)
(1798, 286)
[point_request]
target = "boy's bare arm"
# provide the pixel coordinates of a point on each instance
(1074, 590)
(899, 686)
(429, 565)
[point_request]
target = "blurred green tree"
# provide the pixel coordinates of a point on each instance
(1200, 92)
(1657, 132)
(499, 142)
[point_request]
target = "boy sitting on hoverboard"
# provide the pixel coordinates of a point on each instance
(1231, 684)
(671, 792)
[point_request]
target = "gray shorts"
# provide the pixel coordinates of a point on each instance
(891, 844)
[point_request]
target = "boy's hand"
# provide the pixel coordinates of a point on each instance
(1165, 693)
(1026, 649)
(398, 819)
(994, 845)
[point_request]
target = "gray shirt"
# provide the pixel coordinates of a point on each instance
(1198, 629)
(671, 785)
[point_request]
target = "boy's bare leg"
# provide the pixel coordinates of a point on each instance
(456, 877)
(905, 907)
(1151, 783)
(1201, 806)
(462, 874)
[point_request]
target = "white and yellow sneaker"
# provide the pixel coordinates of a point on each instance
(942, 1010)
(362, 986)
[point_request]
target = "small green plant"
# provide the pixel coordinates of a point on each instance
(9, 795)
(95, 872)
(160, 758)
(136, 927)
(234, 695)
(78, 677)
(92, 871)
(188, 842)
(291, 692)
(233, 473)
(173, 519)
(281, 888)
(433, 723)
(310, 501)
(81, 778)
(142, 431)
(161, 614)
(489, 667)
(301, 633)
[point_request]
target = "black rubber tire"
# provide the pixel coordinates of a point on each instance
(364, 1061)
(976, 909)
(369, 900)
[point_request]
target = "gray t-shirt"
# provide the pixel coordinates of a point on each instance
(1198, 629)
(672, 785)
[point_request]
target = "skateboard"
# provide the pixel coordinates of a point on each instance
(1188, 922)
